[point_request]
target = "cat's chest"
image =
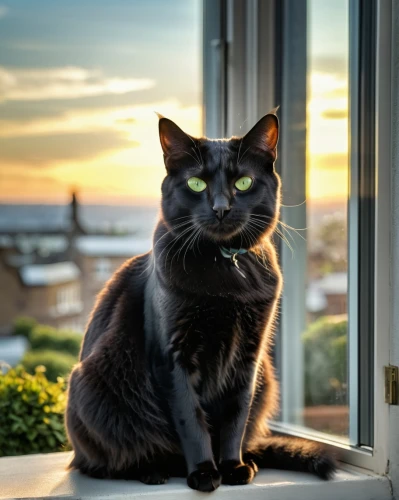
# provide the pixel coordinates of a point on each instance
(213, 341)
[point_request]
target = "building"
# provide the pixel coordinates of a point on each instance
(54, 273)
(99, 256)
(328, 295)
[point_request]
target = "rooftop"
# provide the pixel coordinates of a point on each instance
(49, 274)
(112, 246)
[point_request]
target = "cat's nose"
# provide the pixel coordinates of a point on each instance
(221, 205)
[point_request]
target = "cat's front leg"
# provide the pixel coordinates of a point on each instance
(235, 415)
(192, 428)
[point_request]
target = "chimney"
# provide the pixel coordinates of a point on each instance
(75, 225)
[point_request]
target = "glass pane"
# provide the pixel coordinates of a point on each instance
(323, 402)
(325, 339)
(80, 82)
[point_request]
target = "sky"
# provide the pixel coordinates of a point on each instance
(327, 109)
(80, 83)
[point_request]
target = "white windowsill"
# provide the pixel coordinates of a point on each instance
(45, 476)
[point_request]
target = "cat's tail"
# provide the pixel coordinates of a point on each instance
(280, 452)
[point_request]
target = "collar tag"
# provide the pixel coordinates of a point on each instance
(231, 253)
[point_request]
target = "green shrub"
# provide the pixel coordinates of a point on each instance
(31, 413)
(24, 326)
(57, 364)
(325, 346)
(46, 337)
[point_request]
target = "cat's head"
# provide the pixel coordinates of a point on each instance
(228, 188)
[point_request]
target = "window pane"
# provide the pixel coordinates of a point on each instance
(323, 367)
(325, 339)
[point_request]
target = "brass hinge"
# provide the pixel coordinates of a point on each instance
(391, 385)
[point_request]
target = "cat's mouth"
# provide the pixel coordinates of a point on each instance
(223, 230)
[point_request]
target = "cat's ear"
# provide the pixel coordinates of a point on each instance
(264, 135)
(173, 139)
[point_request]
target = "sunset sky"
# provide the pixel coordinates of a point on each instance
(80, 82)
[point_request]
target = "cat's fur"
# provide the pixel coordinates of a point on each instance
(175, 375)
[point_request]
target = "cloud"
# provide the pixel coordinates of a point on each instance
(92, 149)
(334, 65)
(126, 121)
(3, 11)
(30, 186)
(40, 151)
(69, 82)
(330, 162)
(335, 114)
(138, 120)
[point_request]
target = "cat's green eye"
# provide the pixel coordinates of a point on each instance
(196, 184)
(244, 183)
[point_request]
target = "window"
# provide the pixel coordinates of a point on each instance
(327, 68)
(102, 269)
(68, 299)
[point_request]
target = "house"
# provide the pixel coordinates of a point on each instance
(99, 256)
(50, 292)
(54, 273)
(327, 295)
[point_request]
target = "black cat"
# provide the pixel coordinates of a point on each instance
(175, 375)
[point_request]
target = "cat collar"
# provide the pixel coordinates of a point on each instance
(231, 253)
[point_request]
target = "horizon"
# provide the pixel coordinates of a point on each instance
(154, 203)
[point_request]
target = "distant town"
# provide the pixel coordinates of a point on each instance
(55, 259)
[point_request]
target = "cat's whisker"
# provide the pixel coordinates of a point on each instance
(174, 241)
(184, 217)
(280, 222)
(256, 245)
(171, 260)
(243, 156)
(284, 230)
(197, 240)
(192, 240)
(287, 227)
(195, 146)
(238, 156)
(152, 261)
(193, 157)
(178, 251)
(284, 240)
(170, 231)
(196, 155)
(294, 206)
(277, 231)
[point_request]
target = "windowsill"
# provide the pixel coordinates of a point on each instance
(45, 476)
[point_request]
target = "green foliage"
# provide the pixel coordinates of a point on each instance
(31, 413)
(325, 346)
(24, 326)
(46, 337)
(332, 240)
(57, 364)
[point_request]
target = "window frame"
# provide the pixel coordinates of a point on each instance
(238, 81)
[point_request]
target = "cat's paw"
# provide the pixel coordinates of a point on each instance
(153, 475)
(234, 473)
(205, 478)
